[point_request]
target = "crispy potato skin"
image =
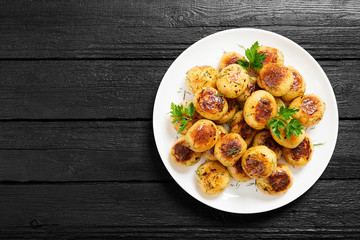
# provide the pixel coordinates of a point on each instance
(259, 108)
(237, 172)
(238, 125)
(250, 89)
(181, 153)
(209, 103)
(225, 147)
(279, 104)
(213, 177)
(279, 182)
(264, 138)
(201, 76)
(312, 109)
(259, 162)
(229, 58)
(202, 136)
(298, 87)
(209, 154)
(232, 81)
(273, 55)
(276, 79)
(232, 107)
(194, 118)
(301, 155)
(292, 142)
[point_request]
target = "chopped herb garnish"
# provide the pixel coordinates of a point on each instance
(219, 95)
(282, 121)
(250, 184)
(230, 152)
(177, 112)
(319, 144)
(255, 58)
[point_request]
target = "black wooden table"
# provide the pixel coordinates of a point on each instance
(77, 85)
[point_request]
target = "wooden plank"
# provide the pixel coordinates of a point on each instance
(164, 210)
(108, 89)
(115, 151)
(155, 29)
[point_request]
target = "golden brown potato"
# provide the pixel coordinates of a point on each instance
(209, 154)
(229, 148)
(237, 172)
(232, 81)
(252, 87)
(264, 138)
(297, 89)
(279, 182)
(291, 142)
(301, 155)
(194, 118)
(232, 106)
(202, 135)
(312, 109)
(213, 177)
(239, 126)
(229, 58)
(259, 162)
(259, 108)
(182, 154)
(210, 104)
(276, 79)
(272, 55)
(199, 77)
(279, 104)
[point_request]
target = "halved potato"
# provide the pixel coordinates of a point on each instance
(202, 135)
(279, 182)
(312, 109)
(259, 162)
(182, 154)
(237, 172)
(264, 138)
(210, 104)
(229, 58)
(272, 55)
(259, 108)
(213, 177)
(252, 87)
(209, 154)
(301, 155)
(297, 89)
(201, 76)
(238, 125)
(229, 148)
(232, 81)
(276, 79)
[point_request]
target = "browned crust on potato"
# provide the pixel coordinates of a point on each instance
(255, 164)
(309, 105)
(273, 75)
(279, 180)
(263, 110)
(303, 150)
(210, 102)
(203, 133)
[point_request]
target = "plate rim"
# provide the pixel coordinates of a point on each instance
(194, 45)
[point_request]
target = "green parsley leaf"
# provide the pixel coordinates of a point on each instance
(177, 112)
(243, 63)
(255, 58)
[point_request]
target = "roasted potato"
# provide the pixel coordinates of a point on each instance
(301, 155)
(202, 136)
(199, 77)
(259, 108)
(291, 142)
(279, 182)
(182, 154)
(213, 177)
(298, 87)
(237, 172)
(229, 58)
(232, 81)
(312, 109)
(239, 126)
(259, 162)
(279, 104)
(210, 104)
(229, 149)
(272, 55)
(276, 79)
(232, 107)
(194, 118)
(252, 87)
(209, 154)
(264, 138)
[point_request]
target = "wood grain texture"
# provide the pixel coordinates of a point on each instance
(116, 151)
(118, 89)
(162, 29)
(165, 210)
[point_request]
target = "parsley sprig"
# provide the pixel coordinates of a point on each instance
(232, 151)
(177, 112)
(282, 121)
(255, 58)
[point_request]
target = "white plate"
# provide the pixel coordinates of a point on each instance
(243, 197)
